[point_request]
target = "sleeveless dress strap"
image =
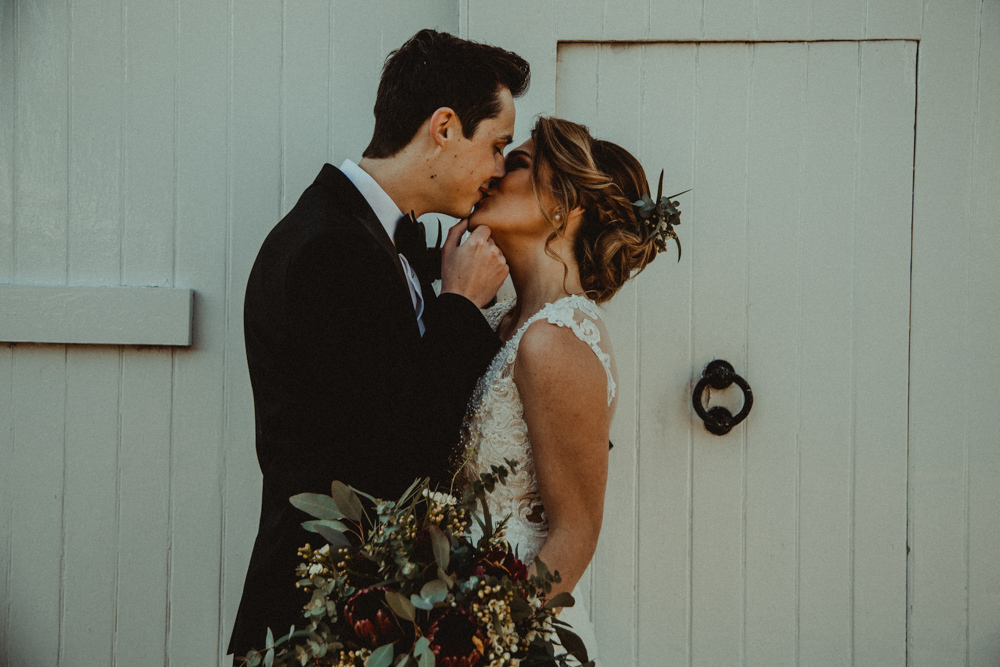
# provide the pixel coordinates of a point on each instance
(563, 313)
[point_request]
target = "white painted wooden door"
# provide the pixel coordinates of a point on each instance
(784, 542)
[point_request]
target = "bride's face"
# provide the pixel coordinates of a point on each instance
(510, 208)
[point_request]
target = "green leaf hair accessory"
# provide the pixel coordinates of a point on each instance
(660, 217)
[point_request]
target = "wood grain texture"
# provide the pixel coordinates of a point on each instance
(96, 315)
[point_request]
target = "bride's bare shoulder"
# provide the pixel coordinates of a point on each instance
(552, 358)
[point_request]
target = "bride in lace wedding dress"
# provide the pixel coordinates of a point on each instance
(565, 220)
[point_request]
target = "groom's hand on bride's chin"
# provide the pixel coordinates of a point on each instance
(474, 269)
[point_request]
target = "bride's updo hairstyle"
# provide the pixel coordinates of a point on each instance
(575, 169)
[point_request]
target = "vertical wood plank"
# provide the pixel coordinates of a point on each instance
(95, 133)
(41, 143)
(149, 143)
(665, 295)
(728, 19)
(675, 20)
(148, 247)
(534, 40)
(91, 506)
(777, 19)
(773, 205)
(838, 19)
(941, 348)
(256, 167)
(357, 65)
(400, 21)
(825, 432)
(984, 454)
(144, 507)
(718, 331)
(201, 247)
(626, 20)
(881, 349)
(7, 498)
(580, 19)
(893, 19)
(615, 589)
(305, 76)
(35, 572)
(7, 140)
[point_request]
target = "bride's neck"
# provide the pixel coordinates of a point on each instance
(540, 279)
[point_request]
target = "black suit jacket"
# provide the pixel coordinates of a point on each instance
(344, 386)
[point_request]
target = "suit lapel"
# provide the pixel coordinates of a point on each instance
(357, 206)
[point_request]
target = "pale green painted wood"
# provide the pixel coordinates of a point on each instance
(984, 449)
(95, 315)
(774, 265)
(665, 439)
(882, 253)
(946, 349)
(826, 353)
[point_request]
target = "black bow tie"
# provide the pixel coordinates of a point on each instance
(411, 242)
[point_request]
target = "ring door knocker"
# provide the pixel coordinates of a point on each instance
(719, 374)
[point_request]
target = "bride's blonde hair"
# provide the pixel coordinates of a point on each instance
(603, 179)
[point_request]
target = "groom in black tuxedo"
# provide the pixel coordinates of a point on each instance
(359, 372)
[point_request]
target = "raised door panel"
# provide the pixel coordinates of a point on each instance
(783, 542)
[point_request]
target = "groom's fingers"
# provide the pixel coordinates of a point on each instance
(476, 268)
(455, 234)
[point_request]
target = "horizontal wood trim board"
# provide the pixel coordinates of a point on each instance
(95, 315)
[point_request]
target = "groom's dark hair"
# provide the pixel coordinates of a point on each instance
(433, 70)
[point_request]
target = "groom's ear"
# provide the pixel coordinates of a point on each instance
(443, 125)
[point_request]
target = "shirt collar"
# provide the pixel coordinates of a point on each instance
(383, 205)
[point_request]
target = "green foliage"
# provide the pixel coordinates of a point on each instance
(383, 587)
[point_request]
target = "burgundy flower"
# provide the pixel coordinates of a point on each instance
(455, 638)
(368, 614)
(498, 562)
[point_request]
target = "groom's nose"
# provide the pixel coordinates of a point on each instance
(499, 168)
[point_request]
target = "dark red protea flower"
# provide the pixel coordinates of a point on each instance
(368, 614)
(498, 562)
(455, 638)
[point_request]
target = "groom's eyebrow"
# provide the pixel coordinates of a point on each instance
(507, 139)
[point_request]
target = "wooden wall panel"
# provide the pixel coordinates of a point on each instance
(8, 67)
(984, 448)
(882, 234)
(719, 332)
(827, 384)
(203, 209)
(665, 449)
(774, 203)
(943, 351)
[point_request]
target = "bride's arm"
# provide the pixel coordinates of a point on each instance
(563, 387)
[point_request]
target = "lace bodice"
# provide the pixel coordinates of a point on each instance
(494, 427)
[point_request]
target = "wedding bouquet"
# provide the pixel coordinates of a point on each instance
(413, 588)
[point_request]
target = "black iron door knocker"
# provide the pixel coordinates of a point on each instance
(719, 374)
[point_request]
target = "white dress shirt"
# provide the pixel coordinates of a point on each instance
(388, 214)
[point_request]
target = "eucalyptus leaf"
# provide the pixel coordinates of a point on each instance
(347, 501)
(541, 568)
(329, 523)
(336, 538)
(442, 547)
(427, 659)
(572, 643)
(269, 658)
(406, 660)
(380, 657)
(422, 645)
(317, 505)
(269, 642)
(421, 603)
(400, 606)
(561, 600)
(434, 591)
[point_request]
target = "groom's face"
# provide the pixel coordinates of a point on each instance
(471, 164)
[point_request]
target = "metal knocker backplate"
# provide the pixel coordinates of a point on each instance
(720, 374)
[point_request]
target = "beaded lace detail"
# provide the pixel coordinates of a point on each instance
(494, 427)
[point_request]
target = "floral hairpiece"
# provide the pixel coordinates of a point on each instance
(660, 217)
